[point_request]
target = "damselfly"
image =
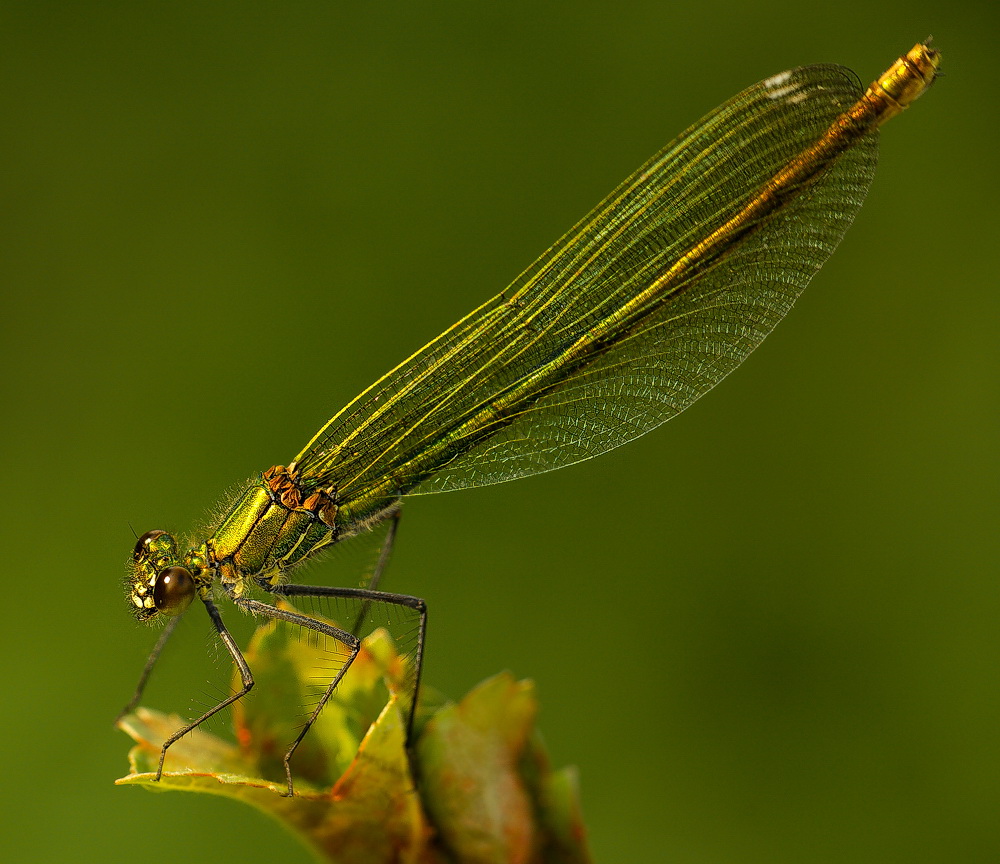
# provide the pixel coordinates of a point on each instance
(646, 304)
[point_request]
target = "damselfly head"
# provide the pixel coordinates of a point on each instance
(157, 581)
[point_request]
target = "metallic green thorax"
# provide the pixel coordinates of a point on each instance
(270, 527)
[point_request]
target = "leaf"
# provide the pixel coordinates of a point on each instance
(488, 784)
(486, 791)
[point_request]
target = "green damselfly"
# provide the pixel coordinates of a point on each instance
(646, 304)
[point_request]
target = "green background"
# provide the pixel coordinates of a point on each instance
(765, 632)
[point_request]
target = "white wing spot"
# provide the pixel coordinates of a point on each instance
(776, 81)
(777, 87)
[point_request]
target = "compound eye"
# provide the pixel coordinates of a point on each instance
(142, 544)
(173, 591)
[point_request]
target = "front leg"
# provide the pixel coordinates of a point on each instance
(150, 663)
(245, 675)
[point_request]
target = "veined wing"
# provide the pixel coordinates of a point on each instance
(609, 333)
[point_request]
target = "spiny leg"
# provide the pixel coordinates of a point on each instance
(383, 559)
(150, 662)
(245, 675)
(352, 643)
(370, 596)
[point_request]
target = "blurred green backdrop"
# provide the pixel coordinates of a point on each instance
(765, 632)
